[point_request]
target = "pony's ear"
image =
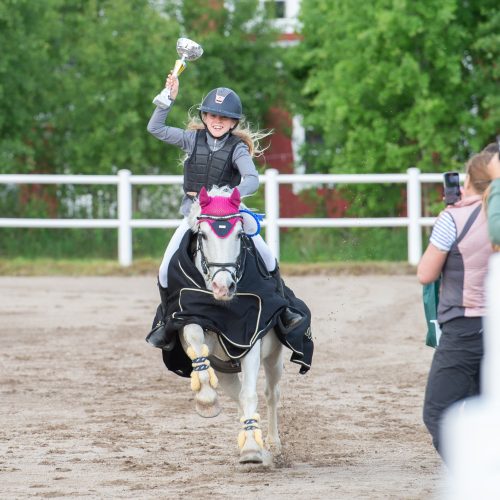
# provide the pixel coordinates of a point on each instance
(203, 197)
(235, 198)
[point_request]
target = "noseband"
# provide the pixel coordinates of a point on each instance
(206, 265)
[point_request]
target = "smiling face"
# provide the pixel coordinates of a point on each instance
(218, 125)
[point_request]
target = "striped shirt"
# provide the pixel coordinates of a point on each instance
(444, 232)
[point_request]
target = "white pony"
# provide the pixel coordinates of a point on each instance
(218, 260)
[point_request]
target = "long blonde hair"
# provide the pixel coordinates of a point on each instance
(477, 170)
(252, 138)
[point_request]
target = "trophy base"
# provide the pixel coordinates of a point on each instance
(162, 100)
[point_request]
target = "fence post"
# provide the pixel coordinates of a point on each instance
(272, 202)
(414, 208)
(124, 216)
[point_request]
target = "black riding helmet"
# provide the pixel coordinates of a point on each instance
(223, 102)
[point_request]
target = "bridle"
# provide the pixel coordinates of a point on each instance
(235, 269)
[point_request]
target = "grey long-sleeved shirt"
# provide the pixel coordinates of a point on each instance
(185, 139)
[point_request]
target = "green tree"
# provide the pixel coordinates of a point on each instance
(391, 84)
(109, 53)
(240, 52)
(78, 77)
(26, 81)
(77, 80)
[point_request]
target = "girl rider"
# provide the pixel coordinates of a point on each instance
(219, 151)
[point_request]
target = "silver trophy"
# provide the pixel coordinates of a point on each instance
(188, 51)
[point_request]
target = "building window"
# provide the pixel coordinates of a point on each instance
(276, 9)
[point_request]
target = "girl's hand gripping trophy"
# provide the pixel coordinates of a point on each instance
(188, 51)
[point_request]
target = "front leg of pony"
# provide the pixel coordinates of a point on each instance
(250, 436)
(203, 378)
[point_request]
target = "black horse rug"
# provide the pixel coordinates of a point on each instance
(239, 323)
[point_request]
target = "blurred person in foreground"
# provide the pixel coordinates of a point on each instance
(493, 203)
(458, 252)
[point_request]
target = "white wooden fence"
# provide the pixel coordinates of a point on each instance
(125, 224)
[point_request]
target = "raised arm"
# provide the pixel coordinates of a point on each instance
(171, 135)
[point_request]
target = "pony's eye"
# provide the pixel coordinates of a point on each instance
(204, 236)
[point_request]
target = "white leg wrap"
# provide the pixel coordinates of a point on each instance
(201, 364)
(250, 425)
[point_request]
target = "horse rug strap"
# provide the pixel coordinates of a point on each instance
(240, 322)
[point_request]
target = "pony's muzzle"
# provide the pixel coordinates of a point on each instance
(223, 289)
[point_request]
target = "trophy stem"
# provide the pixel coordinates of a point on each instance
(180, 66)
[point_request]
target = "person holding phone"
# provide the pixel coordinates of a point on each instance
(458, 252)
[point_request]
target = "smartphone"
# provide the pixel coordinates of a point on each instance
(498, 144)
(452, 192)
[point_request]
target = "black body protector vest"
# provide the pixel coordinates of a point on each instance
(211, 168)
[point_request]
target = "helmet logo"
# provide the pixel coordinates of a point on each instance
(219, 99)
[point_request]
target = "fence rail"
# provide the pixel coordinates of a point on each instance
(124, 181)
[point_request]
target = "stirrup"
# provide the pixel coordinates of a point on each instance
(286, 327)
(158, 337)
(291, 319)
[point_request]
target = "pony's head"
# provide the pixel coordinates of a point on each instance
(217, 223)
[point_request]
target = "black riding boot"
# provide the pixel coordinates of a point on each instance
(289, 318)
(158, 336)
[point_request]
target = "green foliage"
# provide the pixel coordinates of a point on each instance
(26, 80)
(343, 244)
(394, 84)
(239, 53)
(297, 245)
(77, 78)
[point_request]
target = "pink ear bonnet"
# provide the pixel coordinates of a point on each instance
(220, 212)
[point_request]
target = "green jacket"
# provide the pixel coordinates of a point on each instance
(494, 212)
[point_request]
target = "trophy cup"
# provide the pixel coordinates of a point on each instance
(188, 51)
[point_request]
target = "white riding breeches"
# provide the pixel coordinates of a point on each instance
(172, 246)
(261, 246)
(265, 252)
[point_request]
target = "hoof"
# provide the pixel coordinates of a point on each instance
(251, 457)
(207, 411)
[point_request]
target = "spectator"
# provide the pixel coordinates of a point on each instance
(458, 252)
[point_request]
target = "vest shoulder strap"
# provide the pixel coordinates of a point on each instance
(468, 224)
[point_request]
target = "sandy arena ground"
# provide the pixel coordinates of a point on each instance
(89, 411)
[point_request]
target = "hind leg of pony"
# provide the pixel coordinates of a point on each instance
(203, 378)
(250, 437)
(231, 385)
(272, 359)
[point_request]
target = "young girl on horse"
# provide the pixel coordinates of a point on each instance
(219, 151)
